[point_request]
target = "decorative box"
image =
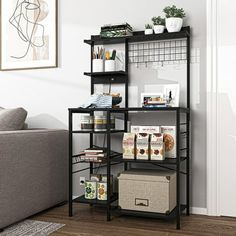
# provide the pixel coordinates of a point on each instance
(128, 143)
(157, 147)
(117, 30)
(170, 140)
(143, 146)
(145, 129)
(147, 190)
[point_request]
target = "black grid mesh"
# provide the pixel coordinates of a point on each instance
(158, 51)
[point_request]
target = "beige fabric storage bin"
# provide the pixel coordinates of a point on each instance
(147, 190)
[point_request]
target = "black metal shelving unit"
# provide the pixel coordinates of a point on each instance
(114, 158)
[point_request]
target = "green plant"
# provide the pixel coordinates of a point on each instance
(148, 26)
(158, 20)
(173, 11)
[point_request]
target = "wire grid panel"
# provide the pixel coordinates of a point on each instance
(158, 51)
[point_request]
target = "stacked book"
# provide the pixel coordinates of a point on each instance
(150, 101)
(117, 30)
(94, 155)
(151, 104)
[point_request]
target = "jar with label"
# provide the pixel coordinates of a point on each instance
(112, 122)
(87, 123)
(100, 123)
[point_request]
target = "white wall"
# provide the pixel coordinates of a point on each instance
(47, 94)
(226, 117)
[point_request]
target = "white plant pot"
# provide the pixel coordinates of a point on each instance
(110, 65)
(98, 65)
(148, 31)
(174, 24)
(159, 29)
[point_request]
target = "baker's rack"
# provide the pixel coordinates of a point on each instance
(182, 41)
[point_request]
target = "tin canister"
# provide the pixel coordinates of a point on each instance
(112, 122)
(104, 179)
(87, 123)
(100, 123)
(102, 191)
(90, 190)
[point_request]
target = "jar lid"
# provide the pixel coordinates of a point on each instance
(100, 117)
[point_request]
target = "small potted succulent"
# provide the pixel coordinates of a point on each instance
(148, 29)
(159, 24)
(174, 18)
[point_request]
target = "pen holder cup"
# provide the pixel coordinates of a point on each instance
(110, 65)
(98, 65)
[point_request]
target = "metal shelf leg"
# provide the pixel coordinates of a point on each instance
(188, 167)
(70, 166)
(108, 167)
(178, 209)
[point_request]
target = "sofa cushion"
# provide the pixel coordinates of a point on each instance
(12, 119)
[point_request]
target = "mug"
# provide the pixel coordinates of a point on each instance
(110, 65)
(98, 65)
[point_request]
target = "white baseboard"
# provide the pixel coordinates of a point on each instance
(198, 211)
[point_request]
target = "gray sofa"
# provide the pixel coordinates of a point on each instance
(33, 172)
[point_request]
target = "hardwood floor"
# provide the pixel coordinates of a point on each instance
(92, 222)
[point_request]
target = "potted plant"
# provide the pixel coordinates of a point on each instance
(174, 18)
(148, 29)
(159, 24)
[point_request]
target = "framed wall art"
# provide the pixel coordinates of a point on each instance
(28, 34)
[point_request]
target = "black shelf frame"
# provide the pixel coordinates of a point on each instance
(81, 199)
(139, 36)
(113, 77)
(183, 154)
(169, 215)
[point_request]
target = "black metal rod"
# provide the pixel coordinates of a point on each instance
(97, 167)
(126, 115)
(91, 145)
(70, 165)
(81, 170)
(92, 78)
(178, 209)
(108, 166)
(168, 168)
(188, 71)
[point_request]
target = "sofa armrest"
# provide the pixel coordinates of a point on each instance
(33, 172)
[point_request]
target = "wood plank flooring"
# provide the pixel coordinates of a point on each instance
(91, 221)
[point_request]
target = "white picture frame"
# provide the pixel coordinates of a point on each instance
(28, 34)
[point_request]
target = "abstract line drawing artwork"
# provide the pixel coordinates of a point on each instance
(25, 19)
(28, 34)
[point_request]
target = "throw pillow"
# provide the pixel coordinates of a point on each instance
(12, 119)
